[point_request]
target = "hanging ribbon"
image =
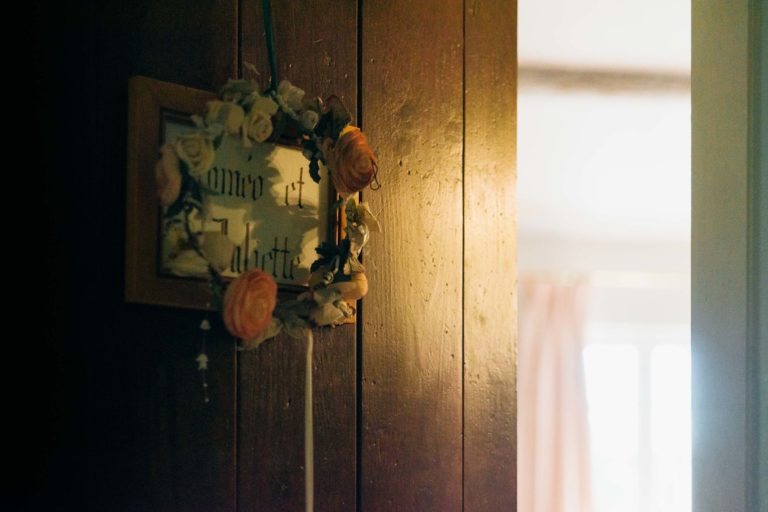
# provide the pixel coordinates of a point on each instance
(266, 8)
(309, 441)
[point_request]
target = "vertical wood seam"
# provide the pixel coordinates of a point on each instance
(463, 223)
(239, 42)
(235, 427)
(359, 325)
(236, 370)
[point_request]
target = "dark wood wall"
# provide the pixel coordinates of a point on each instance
(415, 406)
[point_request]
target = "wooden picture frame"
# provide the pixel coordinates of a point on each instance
(153, 105)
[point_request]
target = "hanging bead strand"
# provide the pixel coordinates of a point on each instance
(202, 357)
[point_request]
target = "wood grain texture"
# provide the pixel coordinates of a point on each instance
(193, 43)
(490, 275)
(411, 387)
(316, 45)
(316, 50)
(188, 446)
(271, 425)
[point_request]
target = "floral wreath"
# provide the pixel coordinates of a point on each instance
(249, 304)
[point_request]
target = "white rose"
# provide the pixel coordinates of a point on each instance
(309, 119)
(291, 95)
(196, 150)
(188, 264)
(237, 90)
(229, 115)
(331, 314)
(257, 127)
(218, 249)
(174, 241)
(263, 104)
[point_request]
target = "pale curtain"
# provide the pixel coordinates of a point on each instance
(553, 437)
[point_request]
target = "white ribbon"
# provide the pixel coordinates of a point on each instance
(309, 438)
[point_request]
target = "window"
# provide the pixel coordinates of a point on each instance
(638, 396)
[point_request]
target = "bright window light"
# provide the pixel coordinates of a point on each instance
(638, 395)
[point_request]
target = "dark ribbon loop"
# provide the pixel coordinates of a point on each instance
(266, 8)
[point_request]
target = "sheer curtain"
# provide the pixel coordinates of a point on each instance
(553, 436)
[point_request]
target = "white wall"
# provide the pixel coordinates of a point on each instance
(640, 282)
(648, 35)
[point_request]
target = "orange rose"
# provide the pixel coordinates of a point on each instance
(168, 176)
(351, 161)
(249, 303)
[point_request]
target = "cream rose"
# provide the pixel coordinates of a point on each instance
(237, 90)
(258, 122)
(188, 263)
(229, 115)
(309, 119)
(291, 95)
(354, 289)
(257, 127)
(330, 314)
(218, 249)
(195, 150)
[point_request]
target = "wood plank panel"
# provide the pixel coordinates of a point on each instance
(271, 425)
(316, 50)
(411, 387)
(193, 43)
(490, 276)
(316, 45)
(187, 447)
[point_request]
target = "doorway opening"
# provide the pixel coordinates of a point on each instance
(604, 256)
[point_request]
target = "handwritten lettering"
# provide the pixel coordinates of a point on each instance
(235, 183)
(293, 186)
(272, 260)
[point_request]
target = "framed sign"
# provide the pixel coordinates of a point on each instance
(259, 197)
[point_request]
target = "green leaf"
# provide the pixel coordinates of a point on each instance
(195, 191)
(314, 170)
(338, 277)
(343, 254)
(184, 168)
(340, 116)
(175, 208)
(280, 126)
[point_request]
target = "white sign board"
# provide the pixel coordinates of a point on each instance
(263, 199)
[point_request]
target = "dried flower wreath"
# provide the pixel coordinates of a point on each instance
(249, 304)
